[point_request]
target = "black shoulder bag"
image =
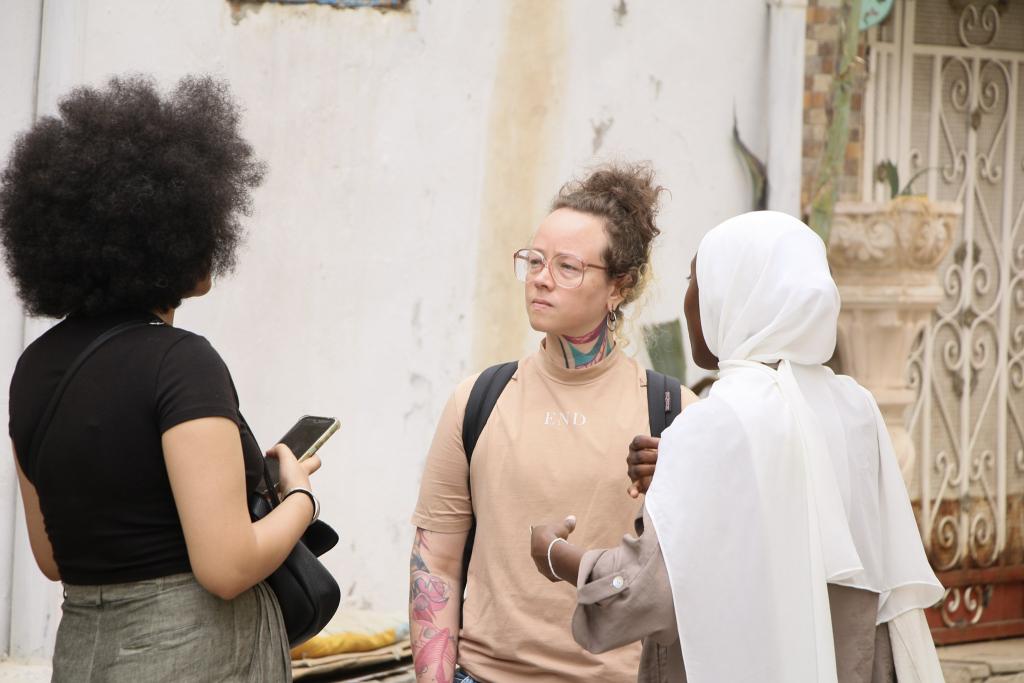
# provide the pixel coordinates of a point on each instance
(308, 594)
(664, 403)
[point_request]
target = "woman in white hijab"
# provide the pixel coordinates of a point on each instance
(777, 543)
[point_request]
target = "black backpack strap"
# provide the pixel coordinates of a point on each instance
(484, 395)
(44, 423)
(664, 401)
(482, 398)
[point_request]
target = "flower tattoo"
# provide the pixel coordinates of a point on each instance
(433, 645)
(430, 595)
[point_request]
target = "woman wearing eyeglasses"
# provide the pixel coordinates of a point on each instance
(553, 444)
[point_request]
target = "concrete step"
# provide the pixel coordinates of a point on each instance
(20, 672)
(993, 661)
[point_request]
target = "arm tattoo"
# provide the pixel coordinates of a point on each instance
(429, 595)
(602, 345)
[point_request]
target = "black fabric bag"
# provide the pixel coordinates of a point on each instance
(664, 403)
(308, 594)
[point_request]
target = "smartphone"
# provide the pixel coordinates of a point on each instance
(308, 434)
(304, 439)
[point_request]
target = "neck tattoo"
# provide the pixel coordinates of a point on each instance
(588, 350)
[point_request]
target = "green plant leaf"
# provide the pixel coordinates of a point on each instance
(755, 167)
(907, 190)
(886, 172)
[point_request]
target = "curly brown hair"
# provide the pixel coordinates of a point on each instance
(626, 197)
(127, 199)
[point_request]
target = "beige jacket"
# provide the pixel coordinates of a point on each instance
(624, 596)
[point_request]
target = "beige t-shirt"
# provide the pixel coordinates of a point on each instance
(555, 444)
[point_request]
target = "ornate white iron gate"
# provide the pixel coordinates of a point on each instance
(945, 94)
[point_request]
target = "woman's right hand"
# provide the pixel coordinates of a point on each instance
(294, 474)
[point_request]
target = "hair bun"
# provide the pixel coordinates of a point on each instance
(626, 196)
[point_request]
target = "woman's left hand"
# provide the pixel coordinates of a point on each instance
(541, 538)
(641, 463)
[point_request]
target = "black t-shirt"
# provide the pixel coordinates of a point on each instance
(101, 478)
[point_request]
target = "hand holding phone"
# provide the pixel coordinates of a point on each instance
(308, 434)
(289, 473)
(304, 439)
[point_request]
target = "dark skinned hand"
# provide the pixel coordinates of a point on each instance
(541, 537)
(640, 463)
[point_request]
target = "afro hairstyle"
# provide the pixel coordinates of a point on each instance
(127, 199)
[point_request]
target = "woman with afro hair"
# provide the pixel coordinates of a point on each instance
(135, 484)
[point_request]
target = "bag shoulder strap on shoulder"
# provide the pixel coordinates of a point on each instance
(482, 399)
(664, 401)
(44, 423)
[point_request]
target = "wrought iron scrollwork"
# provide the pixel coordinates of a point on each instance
(979, 24)
(968, 367)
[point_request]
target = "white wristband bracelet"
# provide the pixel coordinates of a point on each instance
(551, 566)
(316, 503)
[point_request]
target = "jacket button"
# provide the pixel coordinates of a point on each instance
(618, 582)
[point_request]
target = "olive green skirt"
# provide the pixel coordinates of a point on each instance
(169, 629)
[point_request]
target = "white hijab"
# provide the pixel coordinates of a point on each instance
(781, 481)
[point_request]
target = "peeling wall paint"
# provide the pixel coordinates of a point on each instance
(621, 10)
(341, 4)
(600, 128)
(240, 9)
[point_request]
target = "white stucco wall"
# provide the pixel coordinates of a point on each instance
(407, 151)
(28, 603)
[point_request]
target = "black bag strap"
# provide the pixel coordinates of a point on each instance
(664, 401)
(482, 398)
(268, 491)
(268, 488)
(51, 408)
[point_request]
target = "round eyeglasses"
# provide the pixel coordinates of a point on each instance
(566, 270)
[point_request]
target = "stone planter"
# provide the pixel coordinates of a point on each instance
(885, 259)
